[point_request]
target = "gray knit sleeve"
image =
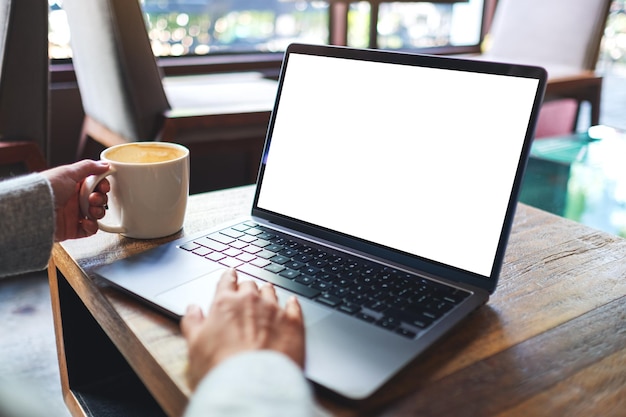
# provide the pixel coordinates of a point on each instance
(26, 224)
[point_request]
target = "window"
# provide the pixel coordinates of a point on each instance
(212, 27)
(200, 27)
(411, 25)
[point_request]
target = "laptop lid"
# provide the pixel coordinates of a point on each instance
(412, 158)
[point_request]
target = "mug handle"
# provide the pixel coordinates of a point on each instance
(87, 187)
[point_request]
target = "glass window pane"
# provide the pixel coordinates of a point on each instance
(200, 27)
(359, 24)
(58, 32)
(417, 25)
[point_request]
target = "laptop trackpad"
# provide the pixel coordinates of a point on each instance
(201, 291)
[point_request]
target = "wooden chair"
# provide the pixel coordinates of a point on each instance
(562, 36)
(18, 158)
(23, 84)
(222, 118)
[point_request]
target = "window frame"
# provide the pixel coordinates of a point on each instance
(268, 63)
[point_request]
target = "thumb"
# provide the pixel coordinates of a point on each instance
(87, 167)
(191, 321)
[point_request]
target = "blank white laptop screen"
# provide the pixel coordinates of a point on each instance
(421, 160)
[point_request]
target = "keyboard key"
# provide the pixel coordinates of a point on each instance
(329, 300)
(274, 248)
(441, 306)
(302, 258)
(212, 244)
(333, 268)
(456, 296)
(231, 262)
(319, 263)
(349, 308)
(414, 318)
(376, 305)
(365, 317)
(215, 256)
(275, 268)
(248, 238)
(289, 273)
(294, 265)
(305, 279)
(232, 233)
(266, 254)
(279, 259)
(239, 244)
(388, 323)
(254, 231)
(261, 243)
(201, 251)
(247, 257)
(406, 333)
(321, 285)
(265, 236)
(189, 246)
(358, 299)
(260, 262)
(339, 292)
(219, 237)
(310, 270)
(288, 252)
(241, 227)
(252, 249)
(232, 252)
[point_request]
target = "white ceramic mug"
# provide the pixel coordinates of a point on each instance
(149, 189)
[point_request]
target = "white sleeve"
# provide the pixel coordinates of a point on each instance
(256, 383)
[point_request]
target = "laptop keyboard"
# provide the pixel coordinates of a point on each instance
(395, 300)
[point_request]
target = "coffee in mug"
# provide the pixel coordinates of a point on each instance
(144, 153)
(149, 189)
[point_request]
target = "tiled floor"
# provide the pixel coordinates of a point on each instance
(27, 346)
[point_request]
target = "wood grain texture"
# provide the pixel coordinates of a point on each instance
(551, 340)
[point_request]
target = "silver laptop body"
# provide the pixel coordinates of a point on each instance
(388, 165)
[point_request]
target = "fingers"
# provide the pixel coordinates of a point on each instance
(249, 286)
(96, 212)
(191, 321)
(89, 227)
(268, 292)
(227, 282)
(103, 186)
(293, 309)
(98, 199)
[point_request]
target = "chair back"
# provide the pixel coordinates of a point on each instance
(118, 77)
(24, 71)
(563, 35)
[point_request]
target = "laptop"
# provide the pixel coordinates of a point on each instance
(384, 201)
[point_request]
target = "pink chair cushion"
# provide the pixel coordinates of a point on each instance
(556, 118)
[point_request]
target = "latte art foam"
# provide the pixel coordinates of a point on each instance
(138, 153)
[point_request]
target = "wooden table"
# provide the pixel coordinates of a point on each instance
(551, 341)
